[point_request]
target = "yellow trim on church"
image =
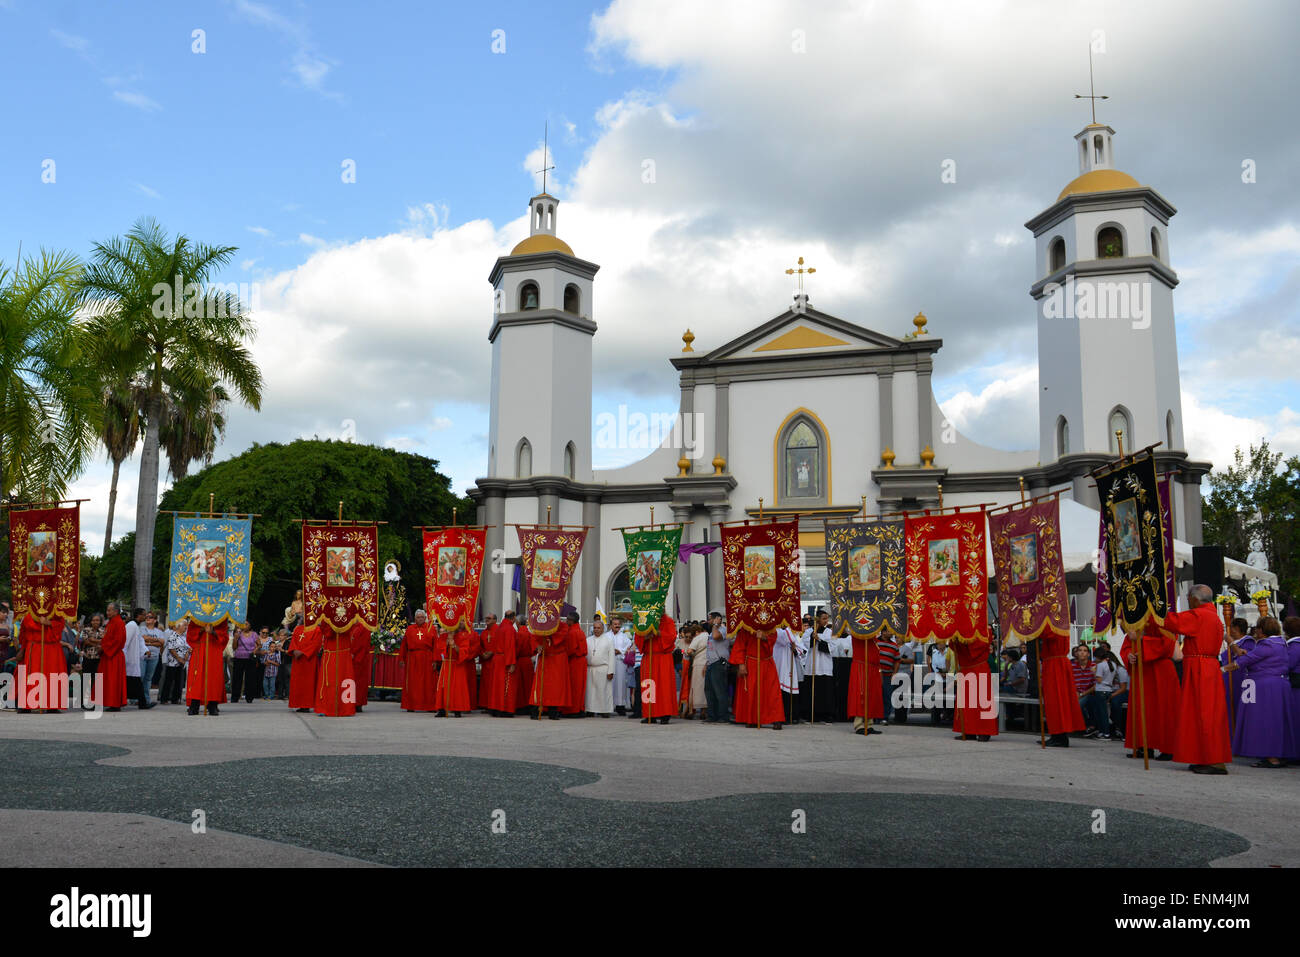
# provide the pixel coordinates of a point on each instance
(801, 338)
(776, 452)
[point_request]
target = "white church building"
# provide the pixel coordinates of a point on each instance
(812, 412)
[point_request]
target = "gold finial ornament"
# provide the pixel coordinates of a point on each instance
(688, 337)
(927, 458)
(919, 321)
(719, 465)
(800, 272)
(683, 466)
(888, 457)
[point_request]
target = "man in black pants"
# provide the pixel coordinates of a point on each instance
(716, 653)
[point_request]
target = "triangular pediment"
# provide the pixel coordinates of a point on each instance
(803, 333)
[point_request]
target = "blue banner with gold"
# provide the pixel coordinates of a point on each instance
(210, 569)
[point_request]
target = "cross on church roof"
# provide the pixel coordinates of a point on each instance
(546, 138)
(1092, 91)
(800, 271)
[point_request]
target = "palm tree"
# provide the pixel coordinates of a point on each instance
(193, 423)
(120, 434)
(48, 403)
(157, 314)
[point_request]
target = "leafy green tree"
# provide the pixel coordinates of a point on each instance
(1258, 496)
(303, 479)
(120, 434)
(157, 316)
(193, 423)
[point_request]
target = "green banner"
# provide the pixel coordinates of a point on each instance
(651, 557)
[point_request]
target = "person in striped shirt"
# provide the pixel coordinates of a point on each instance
(889, 655)
(1085, 681)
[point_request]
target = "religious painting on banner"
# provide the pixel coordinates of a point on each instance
(210, 569)
(340, 575)
(45, 561)
(651, 557)
(1136, 561)
(548, 556)
(1029, 569)
(947, 580)
(760, 568)
(865, 564)
(453, 568)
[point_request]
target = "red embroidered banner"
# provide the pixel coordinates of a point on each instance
(760, 567)
(340, 575)
(1030, 572)
(548, 556)
(45, 561)
(947, 581)
(453, 566)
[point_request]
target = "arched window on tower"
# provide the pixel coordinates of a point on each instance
(524, 460)
(1098, 151)
(550, 217)
(1062, 437)
(527, 296)
(572, 299)
(1118, 421)
(802, 460)
(570, 467)
(1056, 255)
(1110, 243)
(1155, 242)
(537, 218)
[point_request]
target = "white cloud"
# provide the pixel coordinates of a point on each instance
(138, 100)
(151, 193)
(260, 230)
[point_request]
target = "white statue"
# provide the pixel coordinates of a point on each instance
(1257, 558)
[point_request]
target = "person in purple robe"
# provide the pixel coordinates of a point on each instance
(1292, 629)
(1264, 714)
(1242, 641)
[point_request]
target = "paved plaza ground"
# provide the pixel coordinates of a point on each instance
(391, 788)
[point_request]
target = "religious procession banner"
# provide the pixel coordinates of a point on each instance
(652, 554)
(865, 563)
(760, 568)
(1030, 573)
(1137, 564)
(1166, 485)
(1102, 609)
(45, 561)
(340, 575)
(453, 567)
(210, 570)
(548, 556)
(947, 581)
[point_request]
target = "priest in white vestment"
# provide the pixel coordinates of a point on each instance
(787, 655)
(600, 671)
(622, 640)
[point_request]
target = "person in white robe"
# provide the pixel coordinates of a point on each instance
(788, 656)
(622, 641)
(600, 671)
(699, 644)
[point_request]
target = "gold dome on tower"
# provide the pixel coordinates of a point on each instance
(1098, 181)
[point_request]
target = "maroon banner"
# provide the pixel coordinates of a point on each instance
(1030, 571)
(453, 566)
(548, 556)
(760, 568)
(340, 575)
(947, 579)
(45, 561)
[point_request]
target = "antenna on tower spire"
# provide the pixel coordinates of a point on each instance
(1092, 90)
(546, 139)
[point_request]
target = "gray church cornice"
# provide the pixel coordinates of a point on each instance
(529, 262)
(533, 317)
(1111, 199)
(1089, 268)
(558, 486)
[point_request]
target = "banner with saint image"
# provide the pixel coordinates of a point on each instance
(947, 579)
(548, 556)
(651, 558)
(210, 569)
(760, 568)
(45, 561)
(340, 575)
(865, 564)
(1137, 564)
(453, 567)
(1030, 573)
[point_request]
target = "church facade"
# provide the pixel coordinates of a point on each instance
(822, 417)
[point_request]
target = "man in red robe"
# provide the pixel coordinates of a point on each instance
(521, 687)
(305, 647)
(205, 681)
(488, 663)
(112, 663)
(499, 673)
(551, 680)
(44, 668)
(758, 692)
(865, 655)
(658, 689)
(451, 651)
(577, 639)
(416, 653)
(1153, 688)
(1202, 739)
(976, 695)
(1061, 708)
(361, 657)
(336, 689)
